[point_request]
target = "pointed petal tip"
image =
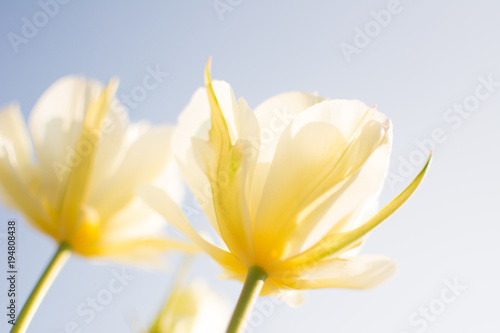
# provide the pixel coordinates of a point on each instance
(113, 84)
(207, 71)
(428, 162)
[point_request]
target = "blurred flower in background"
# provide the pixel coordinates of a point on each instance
(77, 181)
(192, 308)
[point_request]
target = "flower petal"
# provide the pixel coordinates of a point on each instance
(360, 272)
(75, 186)
(16, 194)
(321, 149)
(18, 178)
(13, 130)
(226, 165)
(276, 113)
(56, 125)
(338, 209)
(134, 234)
(159, 200)
(194, 122)
(336, 243)
(145, 154)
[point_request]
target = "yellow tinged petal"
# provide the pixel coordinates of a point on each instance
(191, 138)
(76, 187)
(302, 172)
(334, 244)
(135, 247)
(19, 196)
(227, 180)
(159, 200)
(276, 113)
(17, 173)
(360, 272)
(13, 130)
(219, 134)
(84, 146)
(335, 210)
(140, 162)
(55, 124)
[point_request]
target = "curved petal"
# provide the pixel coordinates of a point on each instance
(113, 140)
(16, 194)
(276, 113)
(18, 178)
(360, 272)
(56, 123)
(75, 186)
(338, 209)
(170, 179)
(134, 234)
(159, 200)
(227, 167)
(140, 251)
(13, 131)
(144, 155)
(194, 122)
(136, 220)
(321, 149)
(335, 244)
(218, 161)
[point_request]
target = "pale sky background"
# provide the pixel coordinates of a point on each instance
(428, 58)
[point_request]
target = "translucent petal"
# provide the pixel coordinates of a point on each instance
(360, 272)
(335, 244)
(159, 200)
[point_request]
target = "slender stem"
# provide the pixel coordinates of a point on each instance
(35, 299)
(251, 289)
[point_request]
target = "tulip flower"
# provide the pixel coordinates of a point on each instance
(75, 178)
(291, 189)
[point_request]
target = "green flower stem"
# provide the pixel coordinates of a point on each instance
(251, 289)
(35, 299)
